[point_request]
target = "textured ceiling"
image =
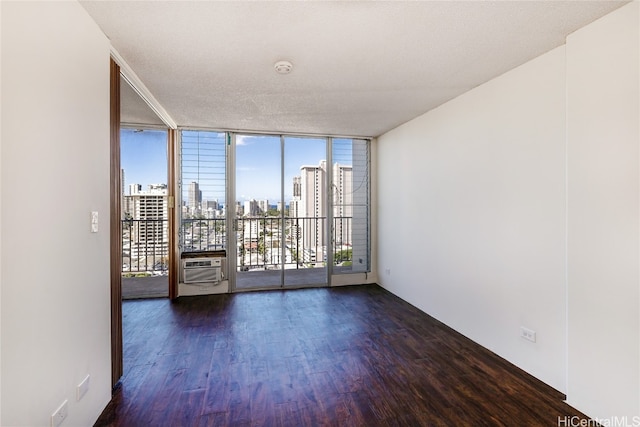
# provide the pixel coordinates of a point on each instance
(360, 68)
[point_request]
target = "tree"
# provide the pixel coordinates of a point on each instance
(342, 256)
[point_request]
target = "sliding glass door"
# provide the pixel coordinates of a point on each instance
(258, 211)
(280, 211)
(305, 220)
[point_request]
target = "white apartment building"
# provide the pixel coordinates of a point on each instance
(211, 209)
(251, 235)
(148, 230)
(311, 207)
(342, 197)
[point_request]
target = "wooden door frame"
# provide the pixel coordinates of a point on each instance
(115, 229)
(117, 366)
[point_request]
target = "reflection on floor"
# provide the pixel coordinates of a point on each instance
(272, 278)
(158, 286)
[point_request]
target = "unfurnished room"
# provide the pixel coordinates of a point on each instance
(302, 213)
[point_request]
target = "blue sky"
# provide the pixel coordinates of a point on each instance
(258, 165)
(143, 156)
(144, 159)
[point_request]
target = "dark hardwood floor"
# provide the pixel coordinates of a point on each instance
(348, 356)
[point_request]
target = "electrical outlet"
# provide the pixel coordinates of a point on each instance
(387, 271)
(82, 388)
(528, 334)
(59, 415)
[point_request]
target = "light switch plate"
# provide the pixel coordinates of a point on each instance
(94, 222)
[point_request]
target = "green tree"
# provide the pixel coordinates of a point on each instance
(342, 256)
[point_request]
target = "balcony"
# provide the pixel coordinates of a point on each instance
(259, 241)
(145, 258)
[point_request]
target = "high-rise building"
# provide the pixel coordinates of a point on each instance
(263, 205)
(297, 187)
(295, 226)
(310, 206)
(195, 198)
(251, 208)
(312, 209)
(127, 207)
(210, 204)
(342, 203)
(211, 209)
(294, 208)
(148, 230)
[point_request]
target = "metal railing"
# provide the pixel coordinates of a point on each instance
(260, 241)
(203, 234)
(145, 244)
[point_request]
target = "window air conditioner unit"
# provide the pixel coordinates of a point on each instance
(201, 270)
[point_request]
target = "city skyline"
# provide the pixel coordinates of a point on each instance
(258, 169)
(260, 181)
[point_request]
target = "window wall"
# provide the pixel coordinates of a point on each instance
(289, 211)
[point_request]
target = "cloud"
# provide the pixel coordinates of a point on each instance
(244, 139)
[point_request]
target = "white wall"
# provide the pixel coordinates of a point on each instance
(471, 211)
(604, 210)
(54, 172)
(0, 220)
(518, 203)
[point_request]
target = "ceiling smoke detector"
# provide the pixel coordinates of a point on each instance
(283, 67)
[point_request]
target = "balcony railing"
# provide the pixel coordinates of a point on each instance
(203, 234)
(145, 244)
(260, 241)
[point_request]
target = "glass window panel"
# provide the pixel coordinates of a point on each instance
(305, 174)
(203, 157)
(350, 197)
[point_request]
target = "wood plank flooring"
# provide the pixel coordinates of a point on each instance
(348, 356)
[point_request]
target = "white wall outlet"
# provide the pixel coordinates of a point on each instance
(82, 388)
(59, 415)
(387, 271)
(94, 222)
(528, 334)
